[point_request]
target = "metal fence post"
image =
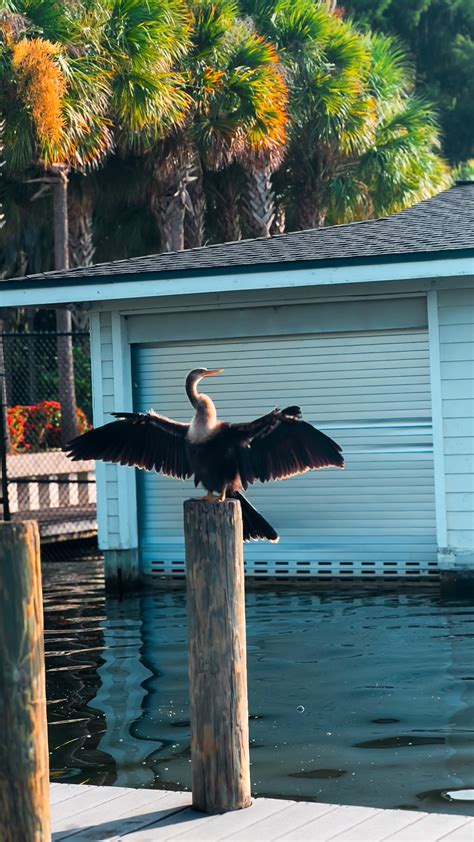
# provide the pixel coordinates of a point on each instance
(3, 447)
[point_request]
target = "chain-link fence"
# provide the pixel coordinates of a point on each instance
(38, 480)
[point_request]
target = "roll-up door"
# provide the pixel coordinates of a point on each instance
(368, 390)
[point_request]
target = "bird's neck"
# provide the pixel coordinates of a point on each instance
(192, 392)
(204, 406)
(205, 411)
(205, 416)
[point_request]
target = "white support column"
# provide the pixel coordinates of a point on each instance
(437, 413)
(124, 570)
(98, 419)
(127, 485)
(116, 486)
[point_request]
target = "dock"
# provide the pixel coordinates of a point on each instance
(83, 813)
(59, 494)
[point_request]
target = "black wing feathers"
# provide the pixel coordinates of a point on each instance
(143, 440)
(292, 447)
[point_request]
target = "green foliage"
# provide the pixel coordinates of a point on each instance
(158, 95)
(465, 171)
(439, 35)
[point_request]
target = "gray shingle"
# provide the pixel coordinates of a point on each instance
(444, 223)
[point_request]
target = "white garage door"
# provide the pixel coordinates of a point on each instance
(368, 390)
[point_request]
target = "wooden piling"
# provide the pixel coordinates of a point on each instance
(24, 768)
(217, 656)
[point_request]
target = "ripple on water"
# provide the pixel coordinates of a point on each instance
(402, 741)
(316, 774)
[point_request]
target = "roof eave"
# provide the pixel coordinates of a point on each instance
(53, 289)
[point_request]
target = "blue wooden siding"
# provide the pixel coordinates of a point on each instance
(456, 328)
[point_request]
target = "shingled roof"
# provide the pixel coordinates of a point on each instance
(444, 223)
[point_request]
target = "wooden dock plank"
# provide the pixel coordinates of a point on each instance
(131, 811)
(465, 833)
(89, 797)
(376, 827)
(198, 827)
(170, 828)
(431, 827)
(289, 820)
(330, 824)
(62, 792)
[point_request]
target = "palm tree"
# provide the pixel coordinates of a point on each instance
(323, 63)
(330, 110)
(135, 42)
(237, 100)
(104, 61)
(401, 164)
(359, 141)
(53, 98)
(139, 42)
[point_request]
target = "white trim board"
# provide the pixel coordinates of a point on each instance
(437, 416)
(34, 293)
(98, 419)
(126, 478)
(290, 319)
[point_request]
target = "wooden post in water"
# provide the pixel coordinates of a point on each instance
(217, 656)
(24, 768)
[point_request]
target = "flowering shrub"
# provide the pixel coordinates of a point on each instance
(38, 427)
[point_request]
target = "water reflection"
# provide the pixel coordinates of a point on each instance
(354, 698)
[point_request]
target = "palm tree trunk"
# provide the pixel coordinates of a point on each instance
(2, 126)
(169, 211)
(3, 385)
(195, 212)
(3, 394)
(81, 243)
(310, 207)
(226, 195)
(258, 203)
(67, 390)
(279, 221)
(170, 197)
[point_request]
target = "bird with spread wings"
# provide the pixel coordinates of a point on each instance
(225, 458)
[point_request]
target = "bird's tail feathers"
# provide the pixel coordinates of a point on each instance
(256, 528)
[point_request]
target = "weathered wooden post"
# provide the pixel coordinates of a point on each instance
(217, 656)
(24, 768)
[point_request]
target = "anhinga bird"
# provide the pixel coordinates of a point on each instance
(225, 458)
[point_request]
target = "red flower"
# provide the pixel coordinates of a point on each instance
(38, 427)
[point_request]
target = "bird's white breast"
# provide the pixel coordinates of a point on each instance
(200, 430)
(204, 422)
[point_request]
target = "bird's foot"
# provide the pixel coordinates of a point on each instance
(210, 498)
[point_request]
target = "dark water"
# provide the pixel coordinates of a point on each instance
(355, 697)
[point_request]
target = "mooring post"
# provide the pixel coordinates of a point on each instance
(217, 656)
(24, 767)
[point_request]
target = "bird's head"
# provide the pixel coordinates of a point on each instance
(193, 378)
(197, 374)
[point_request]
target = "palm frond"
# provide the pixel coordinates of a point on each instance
(212, 21)
(146, 33)
(49, 19)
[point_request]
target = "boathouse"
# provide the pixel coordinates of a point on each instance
(368, 326)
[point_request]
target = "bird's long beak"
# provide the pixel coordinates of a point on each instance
(213, 371)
